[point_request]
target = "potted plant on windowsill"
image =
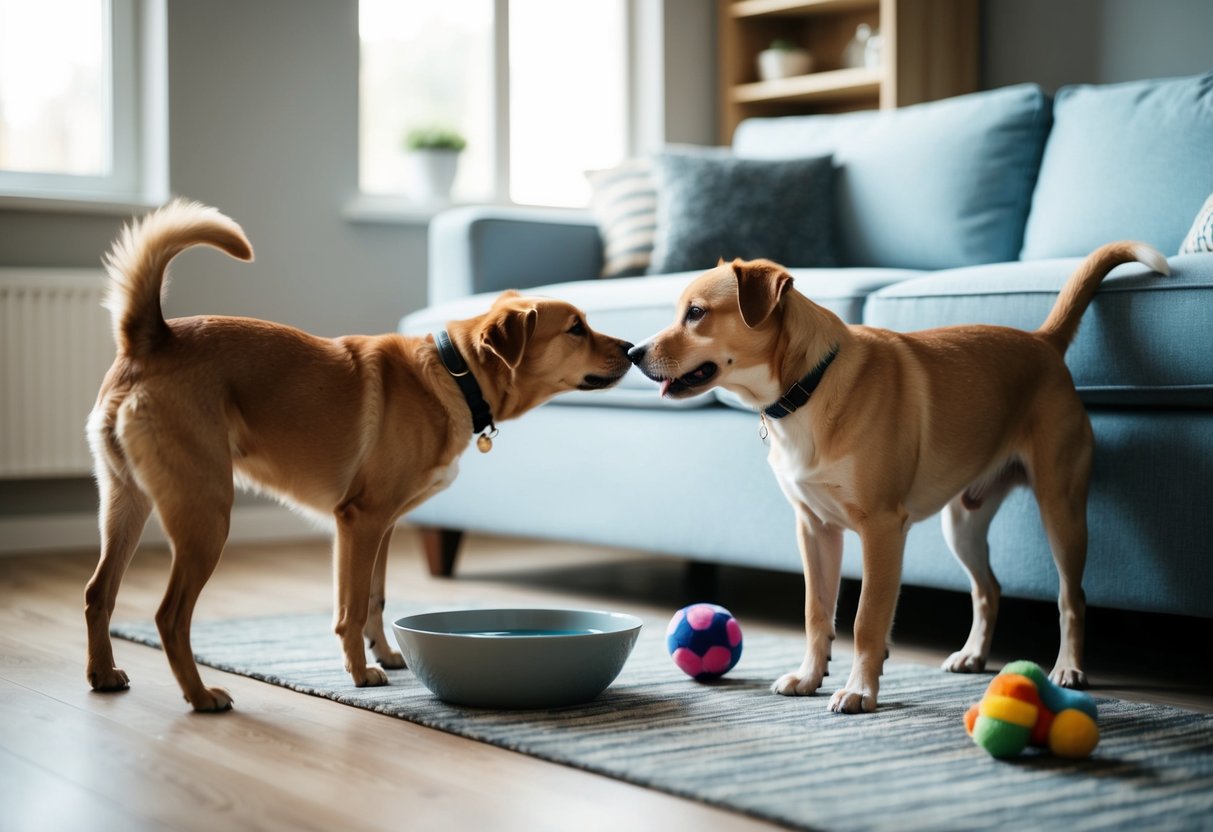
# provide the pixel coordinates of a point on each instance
(433, 159)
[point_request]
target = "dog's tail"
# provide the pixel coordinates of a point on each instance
(1061, 326)
(138, 262)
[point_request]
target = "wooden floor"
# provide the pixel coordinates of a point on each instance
(70, 758)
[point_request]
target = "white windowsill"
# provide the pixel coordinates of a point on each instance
(391, 209)
(68, 203)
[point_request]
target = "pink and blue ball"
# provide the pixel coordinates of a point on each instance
(704, 640)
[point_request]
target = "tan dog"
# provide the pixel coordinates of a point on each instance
(359, 429)
(902, 426)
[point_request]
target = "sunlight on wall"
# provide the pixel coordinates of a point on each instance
(425, 63)
(54, 86)
(568, 108)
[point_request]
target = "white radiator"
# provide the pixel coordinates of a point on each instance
(55, 346)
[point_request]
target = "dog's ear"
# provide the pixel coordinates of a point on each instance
(761, 284)
(507, 332)
(508, 294)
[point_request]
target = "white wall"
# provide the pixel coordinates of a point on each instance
(264, 124)
(1058, 42)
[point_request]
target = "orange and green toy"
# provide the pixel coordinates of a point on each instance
(1022, 707)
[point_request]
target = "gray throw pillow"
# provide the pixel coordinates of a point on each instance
(712, 205)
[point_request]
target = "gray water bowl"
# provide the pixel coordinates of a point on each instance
(516, 658)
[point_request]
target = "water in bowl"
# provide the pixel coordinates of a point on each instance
(523, 632)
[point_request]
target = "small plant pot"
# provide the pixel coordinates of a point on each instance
(774, 64)
(431, 173)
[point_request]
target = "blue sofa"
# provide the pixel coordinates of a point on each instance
(969, 210)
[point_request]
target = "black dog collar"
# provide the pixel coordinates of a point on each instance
(798, 394)
(482, 415)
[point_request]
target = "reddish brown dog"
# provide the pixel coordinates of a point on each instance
(357, 430)
(901, 426)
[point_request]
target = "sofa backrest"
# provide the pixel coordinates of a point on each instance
(1123, 161)
(930, 186)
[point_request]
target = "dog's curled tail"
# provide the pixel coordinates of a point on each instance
(1061, 326)
(138, 262)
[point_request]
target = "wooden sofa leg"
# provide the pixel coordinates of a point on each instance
(441, 549)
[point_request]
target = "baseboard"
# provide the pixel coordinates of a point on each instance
(43, 532)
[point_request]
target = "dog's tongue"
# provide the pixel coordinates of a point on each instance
(665, 386)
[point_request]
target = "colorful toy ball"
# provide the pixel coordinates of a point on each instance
(704, 640)
(1022, 707)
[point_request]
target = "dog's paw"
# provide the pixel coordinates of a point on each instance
(1068, 677)
(963, 661)
(799, 683)
(848, 701)
(211, 700)
(108, 680)
(371, 677)
(391, 659)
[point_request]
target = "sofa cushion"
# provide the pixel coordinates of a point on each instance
(1123, 161)
(712, 205)
(931, 186)
(635, 308)
(1143, 341)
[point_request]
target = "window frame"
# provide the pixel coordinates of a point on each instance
(136, 57)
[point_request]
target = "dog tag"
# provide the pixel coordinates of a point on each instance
(483, 443)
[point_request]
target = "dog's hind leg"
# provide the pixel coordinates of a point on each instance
(197, 525)
(966, 527)
(1061, 471)
(124, 512)
(184, 464)
(373, 631)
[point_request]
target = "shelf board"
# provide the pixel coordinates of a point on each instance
(832, 85)
(797, 8)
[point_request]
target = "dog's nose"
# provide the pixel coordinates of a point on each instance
(626, 346)
(636, 354)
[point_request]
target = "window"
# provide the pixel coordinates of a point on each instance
(537, 87)
(70, 102)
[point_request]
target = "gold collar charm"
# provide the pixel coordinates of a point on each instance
(484, 442)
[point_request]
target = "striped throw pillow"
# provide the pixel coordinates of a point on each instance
(1200, 238)
(624, 201)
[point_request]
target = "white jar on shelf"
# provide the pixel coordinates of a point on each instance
(855, 53)
(872, 50)
(783, 59)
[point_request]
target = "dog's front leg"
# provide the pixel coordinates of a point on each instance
(883, 537)
(376, 639)
(359, 537)
(821, 554)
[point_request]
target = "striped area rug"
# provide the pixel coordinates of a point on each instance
(909, 766)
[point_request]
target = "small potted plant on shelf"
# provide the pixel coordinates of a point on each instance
(783, 59)
(433, 159)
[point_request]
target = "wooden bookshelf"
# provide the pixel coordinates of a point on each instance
(930, 51)
(816, 87)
